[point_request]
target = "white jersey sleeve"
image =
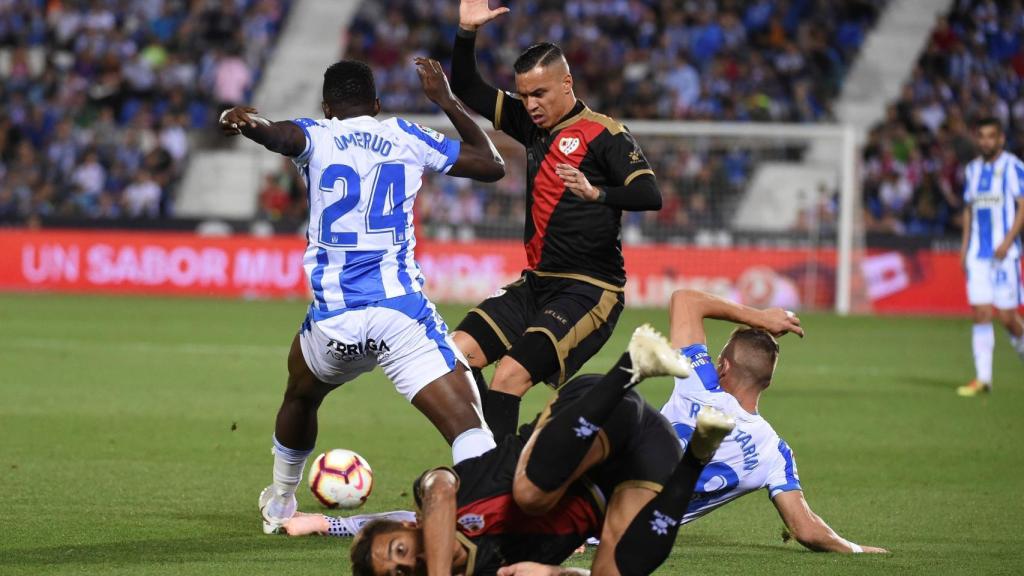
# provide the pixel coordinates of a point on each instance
(315, 133)
(435, 150)
(782, 476)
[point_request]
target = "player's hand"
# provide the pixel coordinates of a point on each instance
(475, 13)
(779, 322)
(528, 569)
(234, 119)
(1001, 251)
(576, 182)
(435, 83)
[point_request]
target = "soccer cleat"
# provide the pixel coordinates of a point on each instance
(713, 426)
(651, 355)
(974, 388)
(275, 511)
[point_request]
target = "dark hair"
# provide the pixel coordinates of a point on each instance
(988, 121)
(361, 553)
(753, 352)
(537, 55)
(349, 82)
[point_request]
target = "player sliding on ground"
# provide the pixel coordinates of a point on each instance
(362, 175)
(990, 250)
(597, 460)
(750, 459)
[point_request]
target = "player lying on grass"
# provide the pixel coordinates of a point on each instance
(752, 458)
(598, 460)
(362, 177)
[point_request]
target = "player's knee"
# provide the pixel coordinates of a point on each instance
(470, 348)
(531, 499)
(511, 378)
(1008, 318)
(982, 314)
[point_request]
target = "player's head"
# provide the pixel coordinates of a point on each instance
(349, 91)
(748, 359)
(988, 133)
(544, 83)
(388, 547)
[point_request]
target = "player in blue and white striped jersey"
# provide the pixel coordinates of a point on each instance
(753, 456)
(991, 248)
(362, 176)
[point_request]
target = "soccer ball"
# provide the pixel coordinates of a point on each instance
(341, 479)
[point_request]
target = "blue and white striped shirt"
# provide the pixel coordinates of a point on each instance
(992, 190)
(752, 457)
(363, 176)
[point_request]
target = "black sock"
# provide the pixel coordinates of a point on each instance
(481, 384)
(649, 538)
(563, 441)
(501, 411)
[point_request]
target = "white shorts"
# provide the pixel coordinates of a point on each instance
(404, 335)
(994, 283)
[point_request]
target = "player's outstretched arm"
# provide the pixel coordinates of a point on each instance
(965, 237)
(810, 530)
(466, 80)
(478, 158)
(437, 495)
(282, 137)
(688, 309)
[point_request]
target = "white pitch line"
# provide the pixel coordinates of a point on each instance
(143, 346)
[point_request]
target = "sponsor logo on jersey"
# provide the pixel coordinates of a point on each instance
(987, 201)
(471, 522)
(568, 145)
(635, 157)
(351, 352)
(430, 132)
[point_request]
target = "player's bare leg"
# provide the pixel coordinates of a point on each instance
(452, 404)
(501, 398)
(983, 341)
(474, 354)
(295, 434)
(1011, 320)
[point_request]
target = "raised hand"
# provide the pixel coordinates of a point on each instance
(435, 83)
(780, 322)
(475, 13)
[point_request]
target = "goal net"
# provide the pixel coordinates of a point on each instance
(766, 214)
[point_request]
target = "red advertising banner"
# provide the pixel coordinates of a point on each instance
(916, 282)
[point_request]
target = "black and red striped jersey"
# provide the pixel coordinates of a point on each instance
(564, 233)
(497, 533)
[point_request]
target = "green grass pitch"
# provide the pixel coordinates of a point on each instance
(136, 437)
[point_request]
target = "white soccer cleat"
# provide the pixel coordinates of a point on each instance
(713, 426)
(275, 510)
(652, 355)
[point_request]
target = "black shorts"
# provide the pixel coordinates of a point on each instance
(576, 314)
(641, 449)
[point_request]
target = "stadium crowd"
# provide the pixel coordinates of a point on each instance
(99, 97)
(762, 60)
(913, 164)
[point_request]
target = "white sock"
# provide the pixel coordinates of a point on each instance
(983, 340)
(472, 443)
(349, 527)
(288, 466)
